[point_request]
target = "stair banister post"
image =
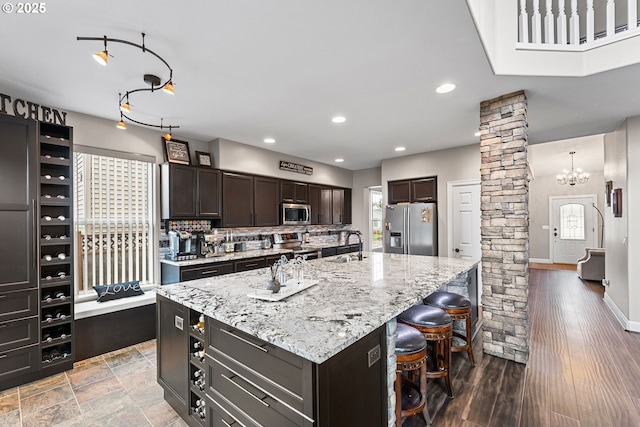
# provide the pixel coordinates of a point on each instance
(524, 22)
(632, 14)
(561, 26)
(536, 23)
(590, 25)
(574, 24)
(549, 24)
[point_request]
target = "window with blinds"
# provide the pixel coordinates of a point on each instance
(114, 218)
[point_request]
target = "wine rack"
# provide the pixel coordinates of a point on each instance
(56, 249)
(197, 382)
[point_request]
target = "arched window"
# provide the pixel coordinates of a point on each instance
(572, 226)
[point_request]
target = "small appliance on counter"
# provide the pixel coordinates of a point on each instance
(293, 241)
(182, 246)
(210, 245)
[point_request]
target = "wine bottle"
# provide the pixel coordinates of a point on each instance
(200, 325)
(47, 297)
(61, 332)
(61, 274)
(59, 314)
(199, 383)
(46, 356)
(55, 354)
(60, 295)
(198, 355)
(46, 336)
(61, 255)
(47, 257)
(48, 317)
(198, 373)
(198, 345)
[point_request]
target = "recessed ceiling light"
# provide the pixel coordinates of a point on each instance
(339, 160)
(269, 140)
(477, 133)
(400, 148)
(445, 88)
(339, 119)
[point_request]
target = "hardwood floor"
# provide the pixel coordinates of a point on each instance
(583, 370)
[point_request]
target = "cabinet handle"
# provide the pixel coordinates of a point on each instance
(252, 265)
(2, 356)
(4, 325)
(226, 412)
(36, 232)
(3, 296)
(209, 272)
(226, 423)
(245, 341)
(245, 390)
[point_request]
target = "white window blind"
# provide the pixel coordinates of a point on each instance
(113, 218)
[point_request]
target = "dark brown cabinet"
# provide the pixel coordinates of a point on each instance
(237, 200)
(190, 192)
(294, 192)
(341, 206)
(330, 205)
(249, 201)
(413, 190)
(325, 210)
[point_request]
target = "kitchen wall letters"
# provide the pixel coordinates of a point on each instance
(31, 110)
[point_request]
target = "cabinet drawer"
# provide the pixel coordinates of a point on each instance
(18, 362)
(202, 271)
(18, 304)
(343, 249)
(287, 373)
(329, 251)
(250, 264)
(250, 397)
(18, 333)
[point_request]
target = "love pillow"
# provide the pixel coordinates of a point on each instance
(118, 290)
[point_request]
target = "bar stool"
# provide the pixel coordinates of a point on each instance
(436, 327)
(459, 308)
(411, 369)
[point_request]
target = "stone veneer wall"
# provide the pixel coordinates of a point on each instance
(505, 226)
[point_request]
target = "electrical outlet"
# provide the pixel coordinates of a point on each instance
(605, 282)
(373, 355)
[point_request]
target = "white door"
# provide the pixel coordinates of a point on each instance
(573, 227)
(465, 224)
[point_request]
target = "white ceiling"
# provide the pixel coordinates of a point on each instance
(248, 69)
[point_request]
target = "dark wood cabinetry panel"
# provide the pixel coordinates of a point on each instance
(314, 202)
(190, 192)
(173, 353)
(399, 192)
(301, 195)
(413, 190)
(346, 207)
(294, 192)
(325, 210)
(18, 177)
(337, 206)
(237, 200)
(423, 190)
(266, 193)
(209, 191)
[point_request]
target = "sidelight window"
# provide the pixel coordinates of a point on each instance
(572, 223)
(113, 217)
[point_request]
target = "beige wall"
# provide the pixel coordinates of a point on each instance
(362, 180)
(235, 156)
(632, 195)
(454, 164)
(617, 257)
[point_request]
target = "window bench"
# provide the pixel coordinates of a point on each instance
(101, 327)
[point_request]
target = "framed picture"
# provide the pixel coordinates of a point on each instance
(177, 151)
(616, 202)
(204, 159)
(607, 192)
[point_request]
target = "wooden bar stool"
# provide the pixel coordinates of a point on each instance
(436, 327)
(459, 308)
(411, 378)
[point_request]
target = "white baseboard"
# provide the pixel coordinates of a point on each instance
(541, 260)
(627, 324)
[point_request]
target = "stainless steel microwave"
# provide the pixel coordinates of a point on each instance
(295, 214)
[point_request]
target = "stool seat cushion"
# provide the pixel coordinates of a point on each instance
(447, 300)
(425, 315)
(409, 340)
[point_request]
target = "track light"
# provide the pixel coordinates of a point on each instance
(168, 88)
(154, 81)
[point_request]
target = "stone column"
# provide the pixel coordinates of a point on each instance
(505, 226)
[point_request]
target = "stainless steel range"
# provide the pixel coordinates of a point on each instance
(294, 241)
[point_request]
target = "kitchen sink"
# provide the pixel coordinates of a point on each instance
(344, 258)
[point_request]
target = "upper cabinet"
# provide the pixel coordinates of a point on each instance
(190, 192)
(294, 192)
(249, 201)
(413, 190)
(330, 205)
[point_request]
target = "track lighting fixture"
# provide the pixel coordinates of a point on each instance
(154, 81)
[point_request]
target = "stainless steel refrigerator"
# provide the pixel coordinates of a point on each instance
(412, 229)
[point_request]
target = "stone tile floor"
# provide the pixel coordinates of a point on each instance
(116, 389)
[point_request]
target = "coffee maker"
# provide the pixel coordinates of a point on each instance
(182, 246)
(210, 245)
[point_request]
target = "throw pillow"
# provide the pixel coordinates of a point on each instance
(118, 290)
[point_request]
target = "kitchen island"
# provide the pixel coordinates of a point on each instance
(317, 358)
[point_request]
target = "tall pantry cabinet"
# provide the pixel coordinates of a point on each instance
(36, 254)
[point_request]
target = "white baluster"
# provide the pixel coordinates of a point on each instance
(590, 26)
(632, 14)
(536, 23)
(611, 17)
(562, 24)
(549, 24)
(574, 24)
(524, 22)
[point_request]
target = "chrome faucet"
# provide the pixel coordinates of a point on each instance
(359, 234)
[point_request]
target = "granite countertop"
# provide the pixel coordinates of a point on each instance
(231, 256)
(350, 301)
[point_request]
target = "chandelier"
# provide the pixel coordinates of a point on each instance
(574, 176)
